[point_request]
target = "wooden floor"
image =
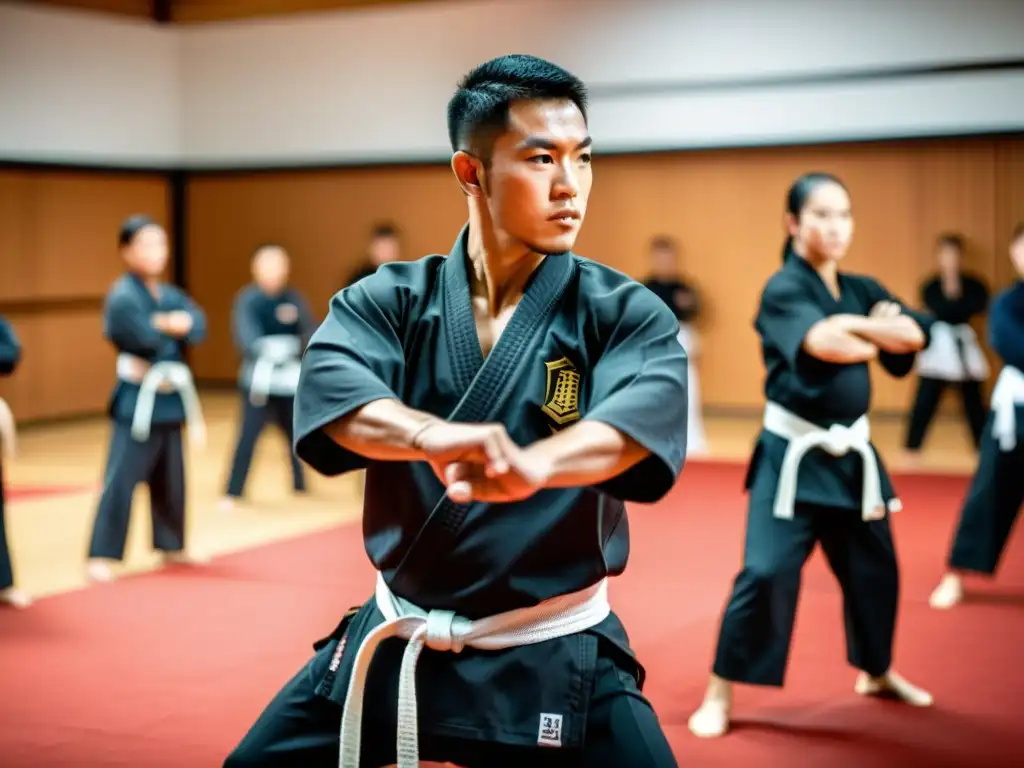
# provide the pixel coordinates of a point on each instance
(48, 535)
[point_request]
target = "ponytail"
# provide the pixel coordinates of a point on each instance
(787, 249)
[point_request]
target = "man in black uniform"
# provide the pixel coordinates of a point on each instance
(150, 323)
(270, 323)
(505, 400)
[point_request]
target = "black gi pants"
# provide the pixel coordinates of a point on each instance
(6, 573)
(757, 625)
(159, 462)
(301, 728)
(926, 404)
(991, 509)
(278, 410)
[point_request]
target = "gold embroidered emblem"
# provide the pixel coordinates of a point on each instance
(562, 398)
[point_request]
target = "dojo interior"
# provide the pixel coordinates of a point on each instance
(169, 666)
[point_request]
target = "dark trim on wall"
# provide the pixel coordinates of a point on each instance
(177, 207)
(46, 305)
(74, 166)
(327, 164)
(163, 12)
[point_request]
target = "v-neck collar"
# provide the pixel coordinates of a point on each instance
(801, 264)
(543, 288)
(141, 285)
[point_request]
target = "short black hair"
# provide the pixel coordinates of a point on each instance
(385, 229)
(131, 227)
(951, 240)
(663, 243)
(479, 109)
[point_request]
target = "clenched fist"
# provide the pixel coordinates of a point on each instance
(480, 462)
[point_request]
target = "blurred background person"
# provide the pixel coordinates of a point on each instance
(383, 248)
(954, 357)
(681, 297)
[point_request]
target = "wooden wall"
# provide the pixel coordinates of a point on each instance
(725, 208)
(58, 256)
(58, 248)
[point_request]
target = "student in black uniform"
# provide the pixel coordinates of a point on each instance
(384, 248)
(10, 356)
(814, 476)
(505, 400)
(953, 356)
(997, 492)
(271, 324)
(150, 323)
(683, 300)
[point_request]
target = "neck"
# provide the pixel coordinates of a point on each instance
(825, 267)
(152, 282)
(500, 267)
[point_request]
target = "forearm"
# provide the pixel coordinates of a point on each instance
(833, 341)
(382, 430)
(898, 335)
(587, 453)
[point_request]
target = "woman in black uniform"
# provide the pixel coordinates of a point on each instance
(997, 492)
(953, 357)
(814, 475)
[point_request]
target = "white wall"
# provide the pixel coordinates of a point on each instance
(371, 85)
(86, 87)
(374, 84)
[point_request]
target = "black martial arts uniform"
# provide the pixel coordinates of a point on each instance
(255, 317)
(757, 624)
(673, 293)
(997, 491)
(10, 356)
(157, 461)
(935, 377)
(585, 342)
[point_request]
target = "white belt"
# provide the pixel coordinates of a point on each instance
(166, 376)
(836, 440)
(445, 631)
(943, 358)
(276, 369)
(1008, 393)
(8, 430)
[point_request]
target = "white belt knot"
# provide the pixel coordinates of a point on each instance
(837, 440)
(276, 368)
(443, 630)
(438, 632)
(164, 376)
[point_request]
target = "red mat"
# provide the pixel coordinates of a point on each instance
(28, 492)
(168, 670)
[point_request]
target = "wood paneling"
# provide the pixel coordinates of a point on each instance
(58, 257)
(724, 207)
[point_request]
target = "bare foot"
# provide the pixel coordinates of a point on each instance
(99, 570)
(183, 557)
(893, 684)
(227, 504)
(911, 459)
(14, 597)
(712, 718)
(950, 592)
